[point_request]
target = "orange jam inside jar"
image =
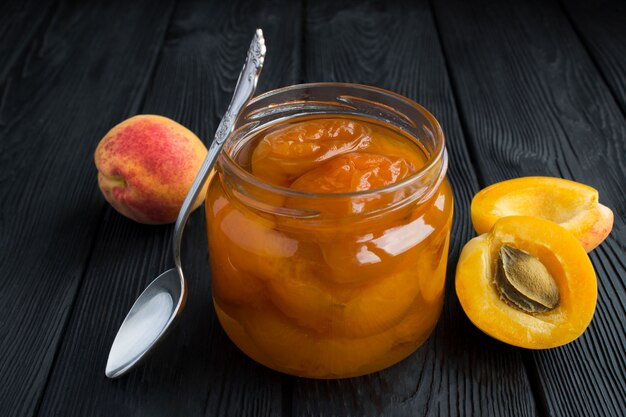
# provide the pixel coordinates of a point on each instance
(328, 225)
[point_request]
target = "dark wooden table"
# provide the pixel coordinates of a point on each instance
(521, 88)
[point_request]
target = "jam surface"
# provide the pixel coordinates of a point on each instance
(334, 155)
(346, 293)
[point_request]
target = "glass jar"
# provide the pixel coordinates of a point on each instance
(312, 291)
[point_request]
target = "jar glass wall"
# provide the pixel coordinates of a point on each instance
(329, 285)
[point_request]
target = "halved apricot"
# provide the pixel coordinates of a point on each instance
(573, 205)
(298, 290)
(272, 339)
(288, 152)
(528, 282)
(355, 171)
(244, 250)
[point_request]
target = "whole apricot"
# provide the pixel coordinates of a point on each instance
(146, 165)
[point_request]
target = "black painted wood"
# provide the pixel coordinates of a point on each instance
(533, 103)
(600, 25)
(459, 371)
(197, 371)
(81, 70)
(520, 88)
(20, 21)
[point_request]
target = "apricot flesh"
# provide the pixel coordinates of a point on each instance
(288, 152)
(573, 205)
(271, 339)
(565, 259)
(355, 171)
(146, 165)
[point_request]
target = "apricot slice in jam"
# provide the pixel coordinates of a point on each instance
(355, 171)
(246, 250)
(288, 152)
(573, 205)
(528, 282)
(277, 342)
(298, 290)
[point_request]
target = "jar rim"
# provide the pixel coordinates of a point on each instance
(439, 156)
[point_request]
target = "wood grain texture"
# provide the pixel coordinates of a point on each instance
(459, 371)
(533, 103)
(196, 371)
(600, 26)
(20, 22)
(516, 92)
(59, 104)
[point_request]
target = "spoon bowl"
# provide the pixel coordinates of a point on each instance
(147, 321)
(162, 302)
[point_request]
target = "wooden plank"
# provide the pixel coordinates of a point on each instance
(459, 371)
(60, 102)
(197, 371)
(601, 25)
(19, 23)
(534, 104)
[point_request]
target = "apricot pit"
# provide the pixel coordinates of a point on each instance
(525, 282)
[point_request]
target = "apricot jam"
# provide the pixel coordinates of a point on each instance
(328, 241)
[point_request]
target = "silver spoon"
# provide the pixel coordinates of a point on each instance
(164, 299)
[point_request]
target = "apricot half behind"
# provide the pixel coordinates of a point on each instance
(527, 315)
(573, 205)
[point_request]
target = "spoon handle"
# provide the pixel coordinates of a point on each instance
(244, 89)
